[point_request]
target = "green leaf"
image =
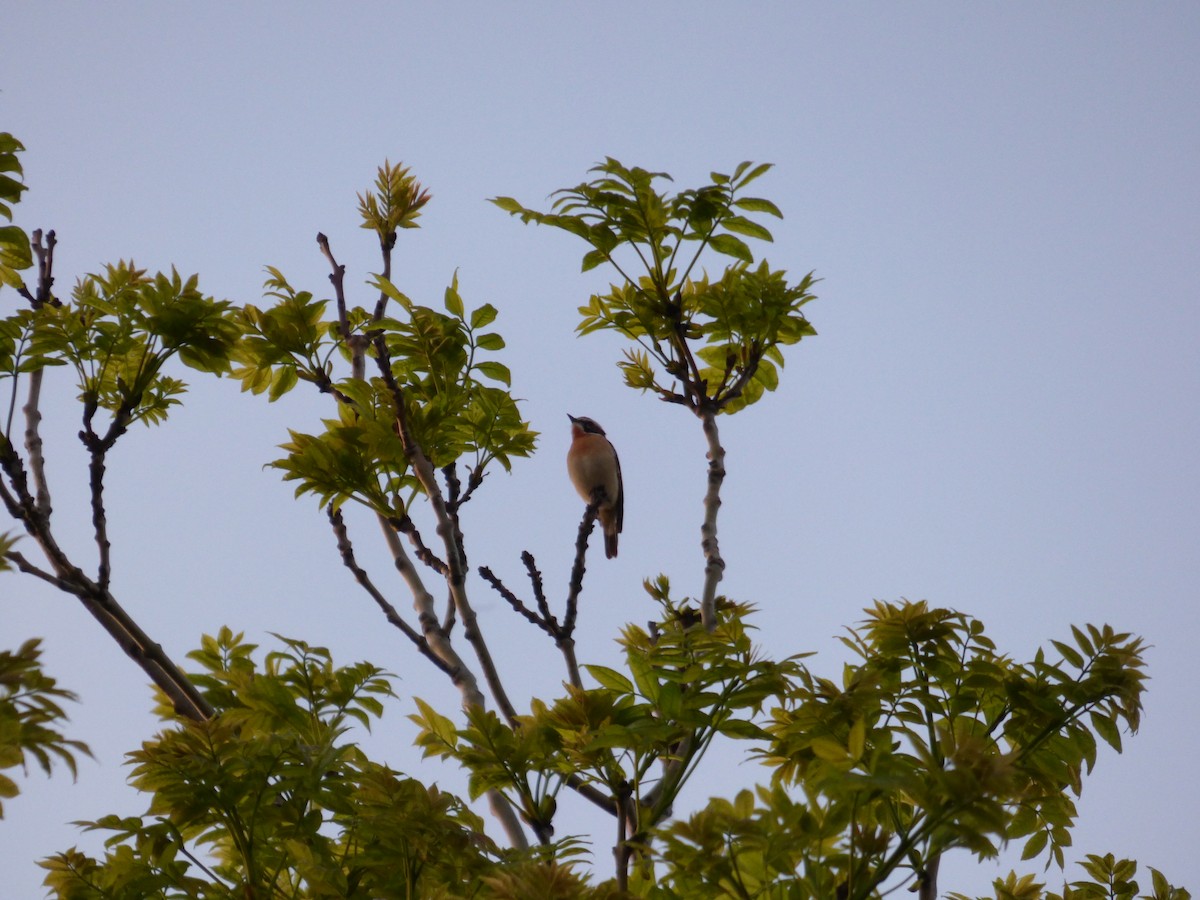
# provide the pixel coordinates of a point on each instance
(15, 252)
(490, 341)
(390, 290)
(1035, 845)
(758, 204)
(453, 301)
(508, 204)
(767, 375)
(1082, 640)
(1070, 654)
(754, 173)
(740, 728)
(435, 723)
(745, 226)
(1107, 729)
(483, 316)
(643, 676)
(829, 750)
(593, 258)
(495, 371)
(610, 678)
(729, 245)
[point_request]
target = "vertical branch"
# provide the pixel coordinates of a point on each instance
(386, 243)
(98, 448)
(714, 566)
(927, 886)
(337, 278)
(456, 579)
(43, 295)
(626, 817)
(579, 567)
(96, 469)
(33, 442)
(435, 636)
(44, 251)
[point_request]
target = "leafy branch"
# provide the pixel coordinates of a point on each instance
(713, 346)
(117, 332)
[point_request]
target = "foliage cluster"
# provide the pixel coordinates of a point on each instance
(30, 713)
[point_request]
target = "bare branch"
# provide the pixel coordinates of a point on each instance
(346, 549)
(44, 251)
(96, 469)
(927, 883)
(539, 592)
(337, 278)
(406, 526)
(138, 646)
(18, 502)
(24, 565)
(94, 595)
(575, 588)
(714, 566)
(546, 625)
(33, 443)
(385, 247)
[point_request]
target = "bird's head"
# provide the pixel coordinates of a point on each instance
(584, 425)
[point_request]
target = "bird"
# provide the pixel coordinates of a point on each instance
(592, 464)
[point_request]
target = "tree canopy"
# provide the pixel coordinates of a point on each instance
(930, 741)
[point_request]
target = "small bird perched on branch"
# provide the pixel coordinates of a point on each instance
(593, 465)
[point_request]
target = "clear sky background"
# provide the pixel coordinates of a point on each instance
(999, 413)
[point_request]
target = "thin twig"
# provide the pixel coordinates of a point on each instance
(337, 278)
(514, 601)
(474, 480)
(406, 526)
(29, 568)
(575, 587)
(386, 243)
(539, 591)
(44, 251)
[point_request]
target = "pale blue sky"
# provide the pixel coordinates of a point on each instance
(999, 413)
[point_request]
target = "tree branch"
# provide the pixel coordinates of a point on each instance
(456, 578)
(44, 252)
(33, 443)
(346, 549)
(96, 469)
(575, 586)
(539, 591)
(436, 636)
(337, 278)
(545, 624)
(714, 566)
(408, 528)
